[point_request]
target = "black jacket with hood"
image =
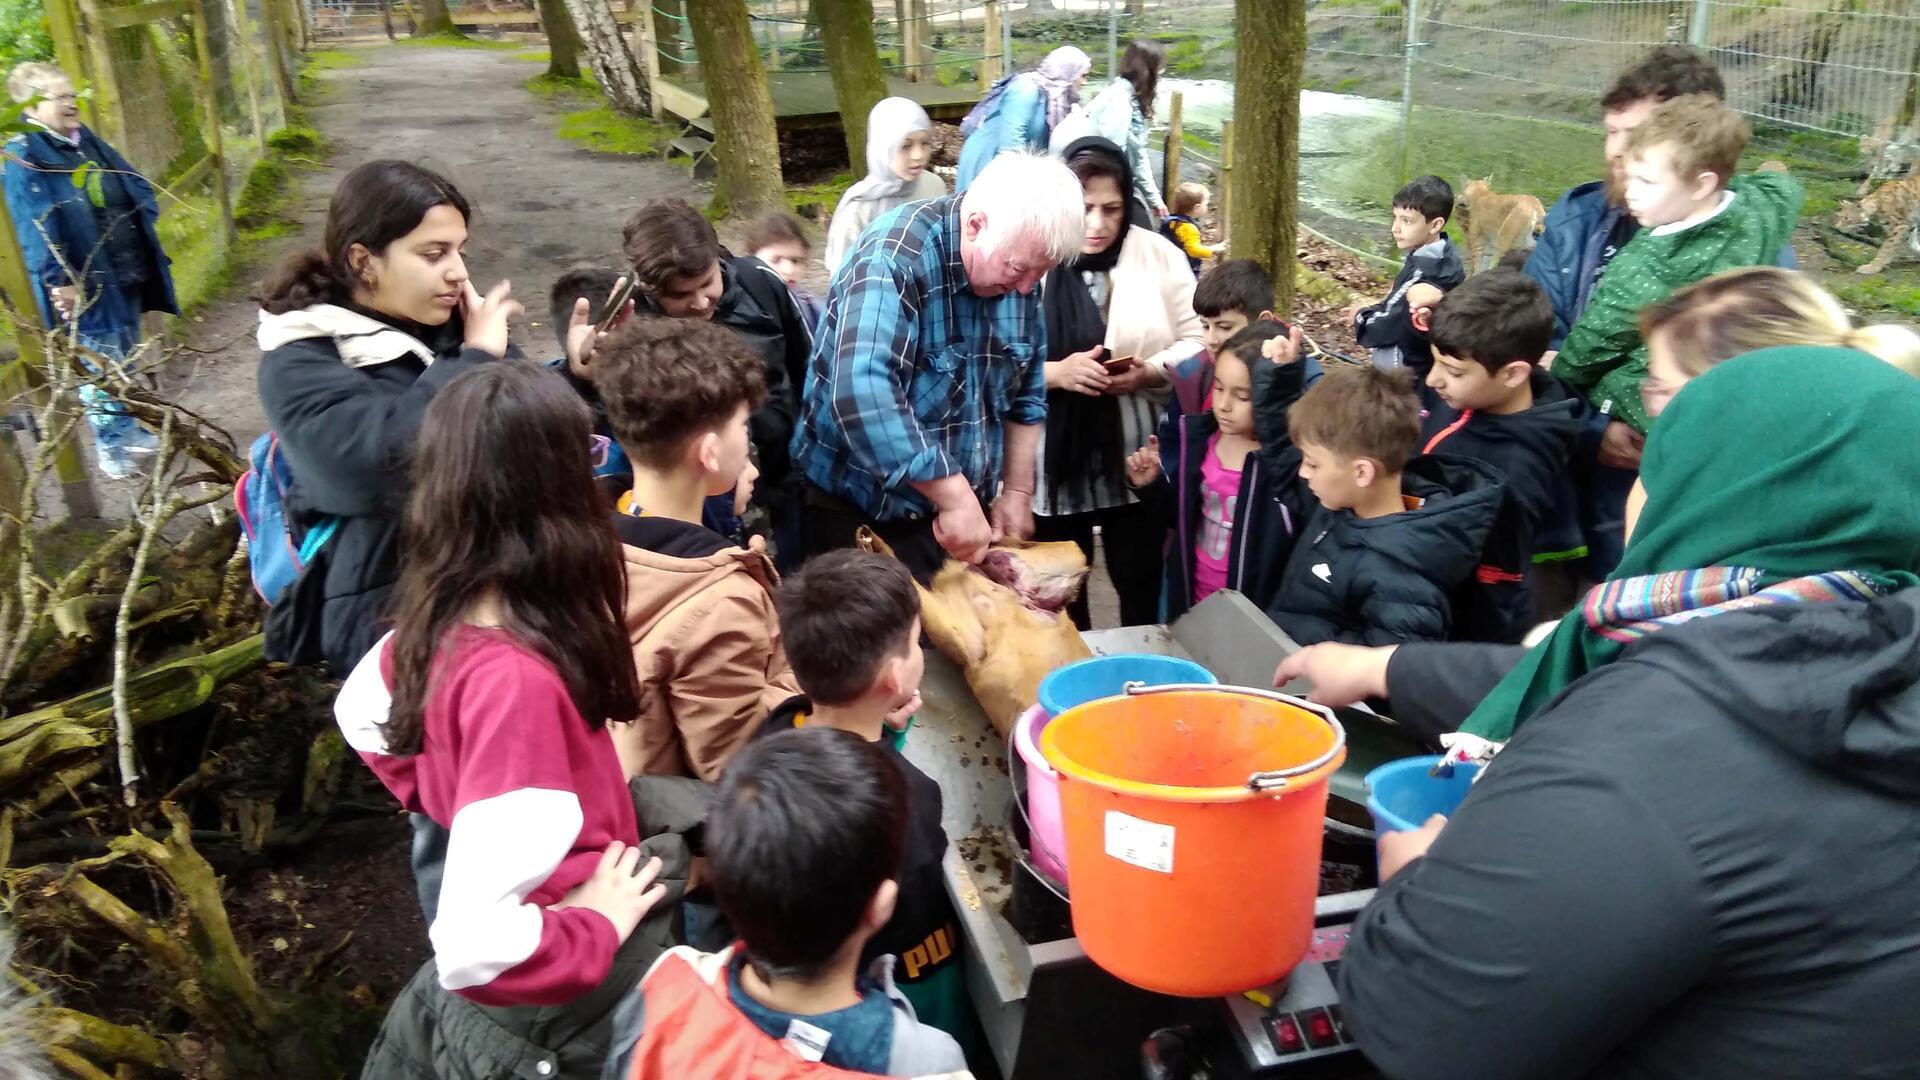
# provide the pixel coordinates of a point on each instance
(346, 393)
(1385, 580)
(1699, 861)
(1389, 323)
(1529, 450)
(1273, 500)
(755, 304)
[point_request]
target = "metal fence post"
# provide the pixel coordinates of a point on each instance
(1006, 43)
(1406, 90)
(1697, 26)
(1172, 163)
(1113, 39)
(1226, 177)
(991, 67)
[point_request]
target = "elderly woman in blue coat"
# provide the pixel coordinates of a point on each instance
(90, 247)
(1020, 111)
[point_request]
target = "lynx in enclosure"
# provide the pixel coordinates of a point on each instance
(1888, 156)
(1895, 205)
(1493, 224)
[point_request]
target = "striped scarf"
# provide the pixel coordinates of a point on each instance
(1632, 608)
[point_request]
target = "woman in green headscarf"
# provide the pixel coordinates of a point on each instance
(1789, 475)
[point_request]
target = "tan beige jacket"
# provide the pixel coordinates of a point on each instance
(706, 646)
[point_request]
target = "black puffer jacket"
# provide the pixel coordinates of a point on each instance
(1379, 581)
(1699, 861)
(1529, 451)
(347, 433)
(435, 1034)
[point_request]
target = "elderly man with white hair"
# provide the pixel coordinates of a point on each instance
(927, 388)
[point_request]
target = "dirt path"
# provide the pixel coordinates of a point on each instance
(541, 205)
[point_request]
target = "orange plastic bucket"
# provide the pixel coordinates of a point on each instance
(1194, 816)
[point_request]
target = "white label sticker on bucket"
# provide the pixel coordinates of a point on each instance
(1146, 844)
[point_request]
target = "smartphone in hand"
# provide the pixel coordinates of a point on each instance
(1117, 364)
(616, 304)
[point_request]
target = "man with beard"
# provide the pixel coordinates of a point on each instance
(1585, 229)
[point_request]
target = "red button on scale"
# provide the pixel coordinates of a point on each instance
(1285, 1032)
(1320, 1030)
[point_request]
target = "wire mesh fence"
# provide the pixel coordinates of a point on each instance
(949, 43)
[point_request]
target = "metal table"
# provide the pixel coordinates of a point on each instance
(1045, 1006)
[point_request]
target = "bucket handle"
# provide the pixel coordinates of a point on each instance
(1273, 779)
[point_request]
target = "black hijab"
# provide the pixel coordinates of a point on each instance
(1083, 433)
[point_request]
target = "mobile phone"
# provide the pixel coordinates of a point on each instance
(1117, 364)
(616, 304)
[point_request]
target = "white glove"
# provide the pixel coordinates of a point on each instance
(1465, 749)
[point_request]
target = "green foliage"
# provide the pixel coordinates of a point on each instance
(23, 32)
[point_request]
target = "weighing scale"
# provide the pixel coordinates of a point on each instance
(1047, 1010)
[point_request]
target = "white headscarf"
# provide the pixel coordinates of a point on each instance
(1057, 74)
(888, 125)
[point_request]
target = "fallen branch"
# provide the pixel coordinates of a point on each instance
(32, 741)
(99, 1040)
(123, 622)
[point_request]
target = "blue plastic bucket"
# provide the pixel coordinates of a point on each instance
(1402, 795)
(1107, 676)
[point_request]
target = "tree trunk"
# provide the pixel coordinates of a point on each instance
(386, 17)
(668, 33)
(748, 144)
(563, 41)
(1266, 123)
(613, 63)
(846, 28)
(1136, 8)
(435, 19)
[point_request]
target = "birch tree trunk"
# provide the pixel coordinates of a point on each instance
(613, 63)
(747, 146)
(1266, 121)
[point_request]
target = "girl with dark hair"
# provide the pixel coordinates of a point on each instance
(485, 710)
(358, 335)
(1122, 114)
(1118, 317)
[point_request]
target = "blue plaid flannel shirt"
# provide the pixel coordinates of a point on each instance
(912, 375)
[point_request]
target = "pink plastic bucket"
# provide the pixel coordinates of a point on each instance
(1047, 837)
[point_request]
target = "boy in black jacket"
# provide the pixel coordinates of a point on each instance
(1229, 476)
(1420, 213)
(1497, 405)
(851, 624)
(1393, 534)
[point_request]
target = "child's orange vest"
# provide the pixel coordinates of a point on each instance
(694, 1032)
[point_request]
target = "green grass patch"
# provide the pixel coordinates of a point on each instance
(332, 60)
(457, 41)
(535, 56)
(1894, 293)
(1537, 157)
(582, 90)
(817, 202)
(593, 125)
